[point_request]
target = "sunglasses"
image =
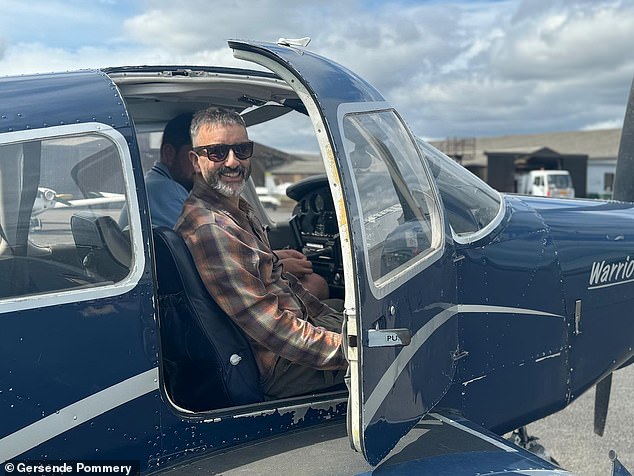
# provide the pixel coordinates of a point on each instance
(219, 152)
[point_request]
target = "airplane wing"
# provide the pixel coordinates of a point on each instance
(104, 199)
(444, 443)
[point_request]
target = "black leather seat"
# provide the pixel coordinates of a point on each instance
(207, 360)
(108, 249)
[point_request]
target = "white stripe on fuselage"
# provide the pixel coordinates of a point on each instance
(77, 413)
(471, 431)
(406, 354)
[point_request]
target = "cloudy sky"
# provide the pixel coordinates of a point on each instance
(453, 68)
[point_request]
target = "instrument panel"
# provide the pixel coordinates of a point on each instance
(314, 224)
(317, 215)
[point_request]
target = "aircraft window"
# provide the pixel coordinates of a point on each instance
(59, 200)
(398, 212)
(470, 204)
(287, 152)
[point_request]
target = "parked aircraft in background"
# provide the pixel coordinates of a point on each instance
(266, 199)
(468, 313)
(273, 188)
(47, 199)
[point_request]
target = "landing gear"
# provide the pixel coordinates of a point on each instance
(521, 438)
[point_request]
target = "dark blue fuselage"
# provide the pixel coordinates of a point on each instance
(565, 322)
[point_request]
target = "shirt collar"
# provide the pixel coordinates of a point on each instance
(162, 169)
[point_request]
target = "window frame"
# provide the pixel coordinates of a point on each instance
(395, 278)
(72, 295)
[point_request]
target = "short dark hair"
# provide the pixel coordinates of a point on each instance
(176, 132)
(213, 116)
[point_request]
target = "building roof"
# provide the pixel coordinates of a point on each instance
(304, 164)
(596, 144)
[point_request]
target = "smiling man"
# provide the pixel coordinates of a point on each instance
(296, 338)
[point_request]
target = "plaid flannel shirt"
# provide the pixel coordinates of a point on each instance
(232, 253)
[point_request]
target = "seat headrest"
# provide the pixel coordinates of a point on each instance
(101, 232)
(169, 250)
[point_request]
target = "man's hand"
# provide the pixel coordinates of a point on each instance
(298, 265)
(294, 262)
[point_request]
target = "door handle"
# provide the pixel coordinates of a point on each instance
(389, 337)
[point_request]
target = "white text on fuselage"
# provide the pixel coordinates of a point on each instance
(605, 274)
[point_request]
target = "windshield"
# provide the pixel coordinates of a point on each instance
(470, 204)
(559, 181)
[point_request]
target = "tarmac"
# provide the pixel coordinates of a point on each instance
(569, 436)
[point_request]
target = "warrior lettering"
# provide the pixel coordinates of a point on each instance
(603, 273)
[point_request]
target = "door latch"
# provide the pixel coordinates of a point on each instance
(389, 337)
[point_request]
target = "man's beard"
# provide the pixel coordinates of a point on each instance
(231, 189)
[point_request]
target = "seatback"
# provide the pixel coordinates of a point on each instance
(207, 360)
(108, 249)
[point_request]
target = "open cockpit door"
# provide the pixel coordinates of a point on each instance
(399, 272)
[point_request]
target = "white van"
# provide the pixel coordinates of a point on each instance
(545, 183)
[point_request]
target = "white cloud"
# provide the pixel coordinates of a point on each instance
(616, 123)
(544, 66)
(559, 42)
(454, 68)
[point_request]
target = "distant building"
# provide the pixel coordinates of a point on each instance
(590, 156)
(302, 166)
(267, 159)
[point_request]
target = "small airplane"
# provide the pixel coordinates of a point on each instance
(266, 199)
(453, 293)
(273, 188)
(47, 198)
